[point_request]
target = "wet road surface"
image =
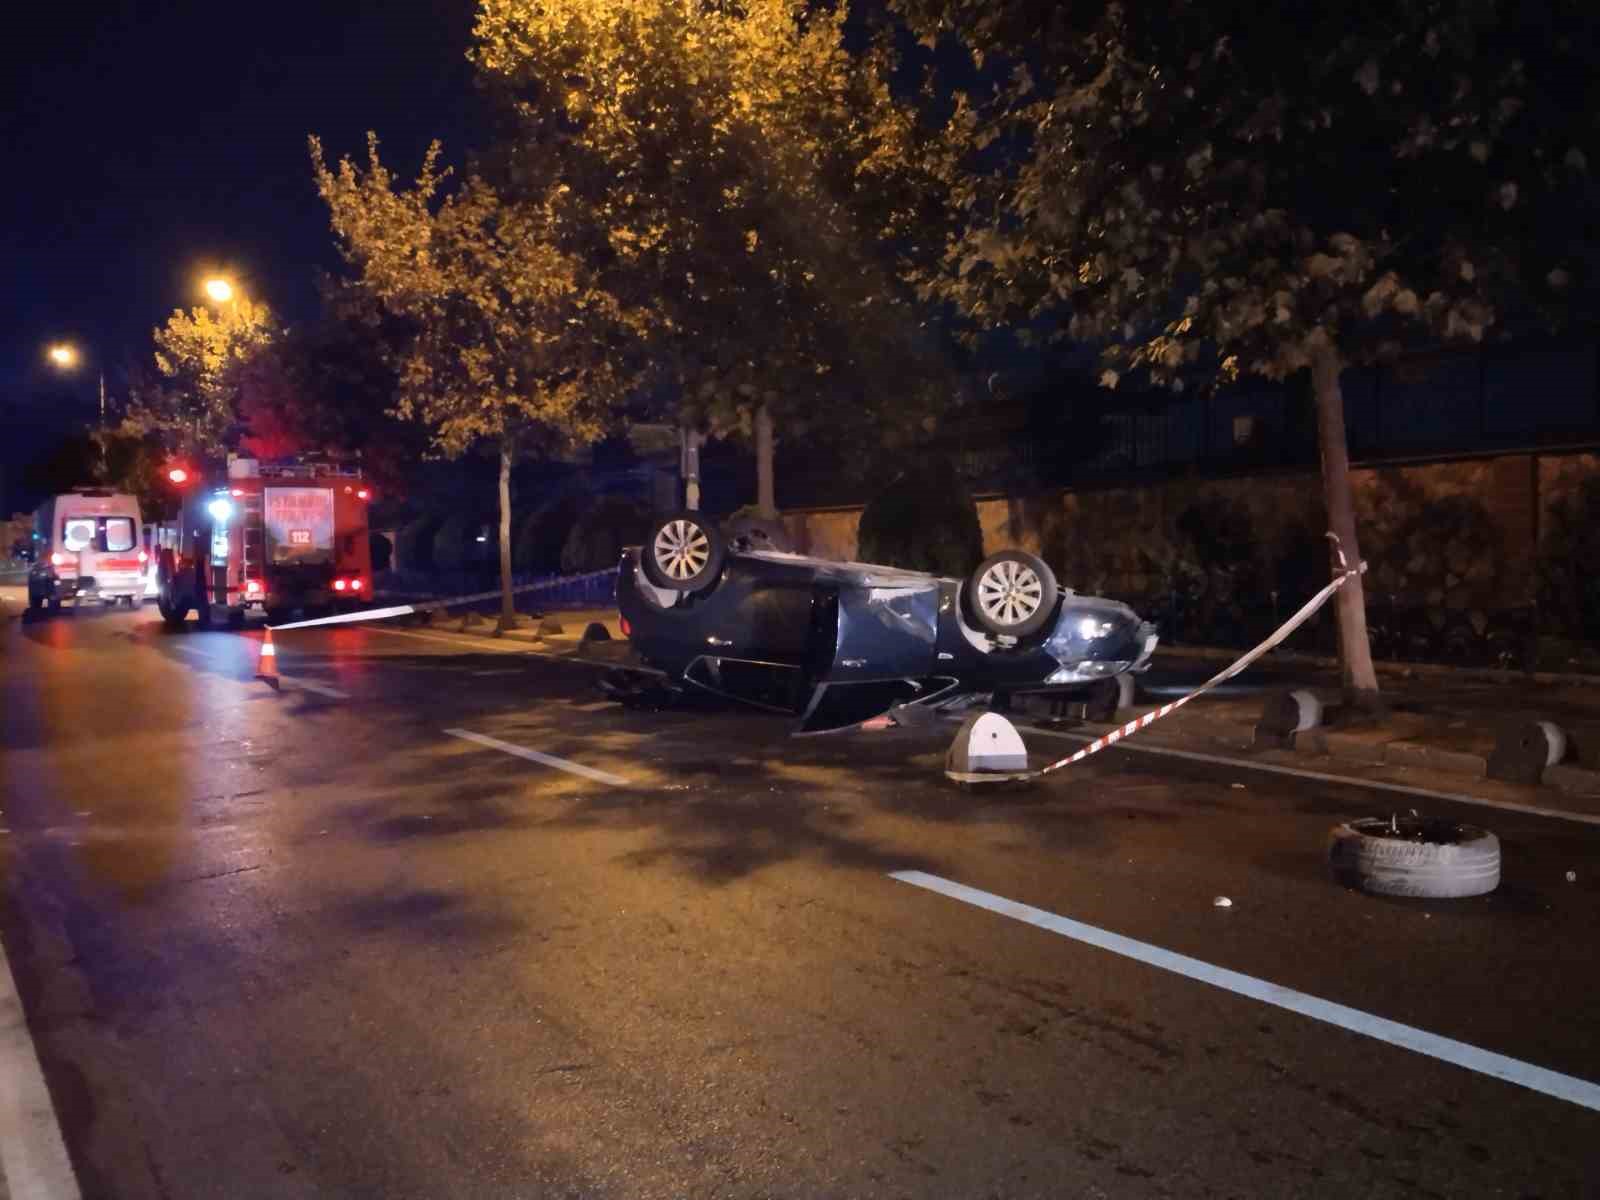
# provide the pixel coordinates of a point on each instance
(312, 944)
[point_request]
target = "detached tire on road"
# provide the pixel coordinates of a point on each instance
(1430, 858)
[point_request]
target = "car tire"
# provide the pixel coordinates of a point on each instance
(757, 533)
(1440, 860)
(1011, 594)
(174, 612)
(683, 552)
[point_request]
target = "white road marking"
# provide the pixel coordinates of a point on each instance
(33, 1158)
(1539, 1079)
(549, 760)
(294, 681)
(307, 685)
(1535, 810)
(595, 706)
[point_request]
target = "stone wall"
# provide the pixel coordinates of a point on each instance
(1453, 550)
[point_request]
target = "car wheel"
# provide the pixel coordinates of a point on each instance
(1011, 594)
(683, 552)
(756, 533)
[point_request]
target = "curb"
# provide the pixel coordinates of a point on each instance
(1359, 747)
(1389, 667)
(33, 1156)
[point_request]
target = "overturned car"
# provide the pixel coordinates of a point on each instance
(839, 643)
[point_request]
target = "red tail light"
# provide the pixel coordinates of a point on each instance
(143, 557)
(339, 585)
(627, 630)
(355, 585)
(59, 560)
(252, 586)
(363, 494)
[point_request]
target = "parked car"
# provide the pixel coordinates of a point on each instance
(839, 643)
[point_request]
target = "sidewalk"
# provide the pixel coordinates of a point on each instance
(559, 628)
(1439, 720)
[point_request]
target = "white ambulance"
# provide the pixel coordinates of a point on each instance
(90, 547)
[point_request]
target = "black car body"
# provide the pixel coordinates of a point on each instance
(839, 643)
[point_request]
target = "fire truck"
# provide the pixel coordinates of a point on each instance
(274, 536)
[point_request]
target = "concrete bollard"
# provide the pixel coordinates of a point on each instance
(1287, 713)
(1524, 749)
(550, 626)
(596, 632)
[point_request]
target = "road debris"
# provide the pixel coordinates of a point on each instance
(1572, 877)
(1222, 902)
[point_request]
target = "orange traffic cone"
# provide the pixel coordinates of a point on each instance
(267, 664)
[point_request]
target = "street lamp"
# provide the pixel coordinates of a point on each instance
(219, 289)
(64, 356)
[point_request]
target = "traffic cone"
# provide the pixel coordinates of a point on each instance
(267, 664)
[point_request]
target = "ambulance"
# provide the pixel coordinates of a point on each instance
(90, 547)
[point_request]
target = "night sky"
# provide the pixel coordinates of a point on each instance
(145, 144)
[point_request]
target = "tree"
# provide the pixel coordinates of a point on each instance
(193, 400)
(738, 161)
(329, 386)
(513, 342)
(1204, 191)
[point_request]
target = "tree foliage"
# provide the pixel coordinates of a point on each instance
(738, 162)
(192, 401)
(512, 334)
(329, 386)
(1239, 188)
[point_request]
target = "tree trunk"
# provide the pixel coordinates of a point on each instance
(766, 494)
(1350, 605)
(508, 607)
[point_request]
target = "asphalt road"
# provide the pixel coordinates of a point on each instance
(311, 944)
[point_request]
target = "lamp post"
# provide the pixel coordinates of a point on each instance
(65, 357)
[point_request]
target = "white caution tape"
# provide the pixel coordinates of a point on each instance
(1307, 611)
(400, 610)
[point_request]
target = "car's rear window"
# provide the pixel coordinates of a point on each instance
(77, 533)
(119, 534)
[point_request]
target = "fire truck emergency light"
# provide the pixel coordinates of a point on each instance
(220, 509)
(178, 475)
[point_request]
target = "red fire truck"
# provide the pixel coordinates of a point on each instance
(270, 535)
